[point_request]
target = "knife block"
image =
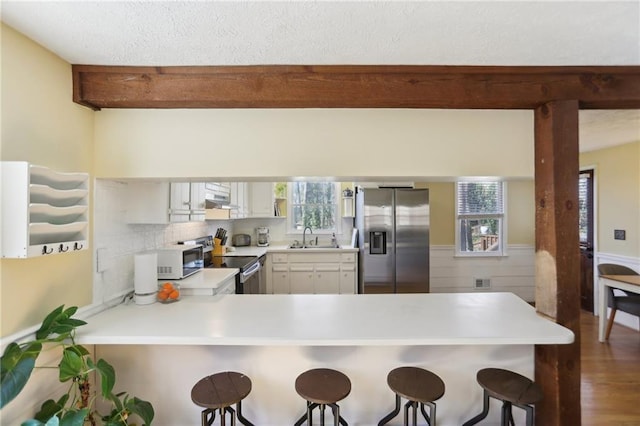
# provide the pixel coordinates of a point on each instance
(218, 248)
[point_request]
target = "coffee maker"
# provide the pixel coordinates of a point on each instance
(263, 236)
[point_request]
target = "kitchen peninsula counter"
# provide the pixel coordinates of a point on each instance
(328, 320)
(160, 351)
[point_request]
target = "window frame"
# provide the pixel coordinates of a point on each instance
(337, 211)
(502, 222)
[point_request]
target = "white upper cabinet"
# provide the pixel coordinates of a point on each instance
(239, 200)
(43, 211)
(165, 202)
(262, 199)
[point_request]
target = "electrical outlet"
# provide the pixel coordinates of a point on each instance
(619, 234)
(480, 283)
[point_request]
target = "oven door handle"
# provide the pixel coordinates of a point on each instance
(252, 270)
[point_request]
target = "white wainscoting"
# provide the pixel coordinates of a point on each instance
(622, 318)
(513, 273)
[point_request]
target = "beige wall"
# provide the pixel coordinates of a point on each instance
(520, 212)
(41, 125)
(341, 143)
(617, 174)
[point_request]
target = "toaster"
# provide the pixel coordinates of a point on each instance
(241, 240)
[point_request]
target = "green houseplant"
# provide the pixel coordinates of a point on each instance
(76, 406)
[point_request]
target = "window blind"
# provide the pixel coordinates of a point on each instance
(480, 198)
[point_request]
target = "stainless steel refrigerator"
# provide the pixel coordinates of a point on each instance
(393, 237)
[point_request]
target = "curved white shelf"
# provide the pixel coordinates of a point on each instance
(57, 180)
(56, 197)
(56, 215)
(45, 233)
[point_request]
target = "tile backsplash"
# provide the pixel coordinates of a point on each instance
(116, 242)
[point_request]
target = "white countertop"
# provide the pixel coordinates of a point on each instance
(206, 278)
(284, 247)
(327, 320)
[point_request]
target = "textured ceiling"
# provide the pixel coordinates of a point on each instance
(376, 32)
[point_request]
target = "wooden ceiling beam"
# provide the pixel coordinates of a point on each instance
(347, 86)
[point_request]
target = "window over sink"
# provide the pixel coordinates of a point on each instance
(313, 204)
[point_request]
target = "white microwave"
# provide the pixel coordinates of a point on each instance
(179, 261)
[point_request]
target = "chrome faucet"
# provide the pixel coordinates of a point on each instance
(304, 235)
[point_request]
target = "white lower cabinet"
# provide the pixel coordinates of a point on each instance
(312, 273)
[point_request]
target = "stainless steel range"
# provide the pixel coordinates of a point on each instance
(247, 280)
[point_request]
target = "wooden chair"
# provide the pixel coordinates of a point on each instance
(627, 302)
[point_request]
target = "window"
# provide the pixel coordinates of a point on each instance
(313, 204)
(480, 218)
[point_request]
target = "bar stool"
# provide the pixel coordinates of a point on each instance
(218, 393)
(420, 387)
(510, 388)
(322, 387)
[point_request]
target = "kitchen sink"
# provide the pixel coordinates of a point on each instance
(299, 246)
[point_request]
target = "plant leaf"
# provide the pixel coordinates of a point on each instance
(74, 418)
(14, 379)
(49, 409)
(142, 408)
(70, 365)
(107, 377)
(45, 328)
(33, 422)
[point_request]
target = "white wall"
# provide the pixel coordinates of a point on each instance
(265, 144)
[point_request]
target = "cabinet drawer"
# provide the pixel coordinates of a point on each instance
(280, 268)
(327, 267)
(279, 258)
(314, 257)
(348, 257)
(301, 267)
(348, 267)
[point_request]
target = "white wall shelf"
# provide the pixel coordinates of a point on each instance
(43, 211)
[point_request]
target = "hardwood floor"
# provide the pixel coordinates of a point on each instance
(610, 383)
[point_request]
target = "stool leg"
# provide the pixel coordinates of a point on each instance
(485, 411)
(507, 415)
(392, 414)
(336, 414)
(309, 414)
(241, 418)
(322, 407)
(431, 420)
(232, 412)
(208, 416)
(223, 418)
(406, 412)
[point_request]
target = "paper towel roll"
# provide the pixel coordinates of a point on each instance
(145, 278)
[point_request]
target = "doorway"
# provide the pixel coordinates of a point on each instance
(586, 224)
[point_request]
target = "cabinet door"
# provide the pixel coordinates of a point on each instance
(196, 196)
(180, 197)
(280, 279)
(238, 199)
(327, 280)
(302, 279)
(262, 199)
(348, 279)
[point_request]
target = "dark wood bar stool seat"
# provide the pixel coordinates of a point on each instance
(219, 392)
(322, 387)
(512, 389)
(420, 387)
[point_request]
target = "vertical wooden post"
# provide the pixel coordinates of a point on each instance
(557, 367)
